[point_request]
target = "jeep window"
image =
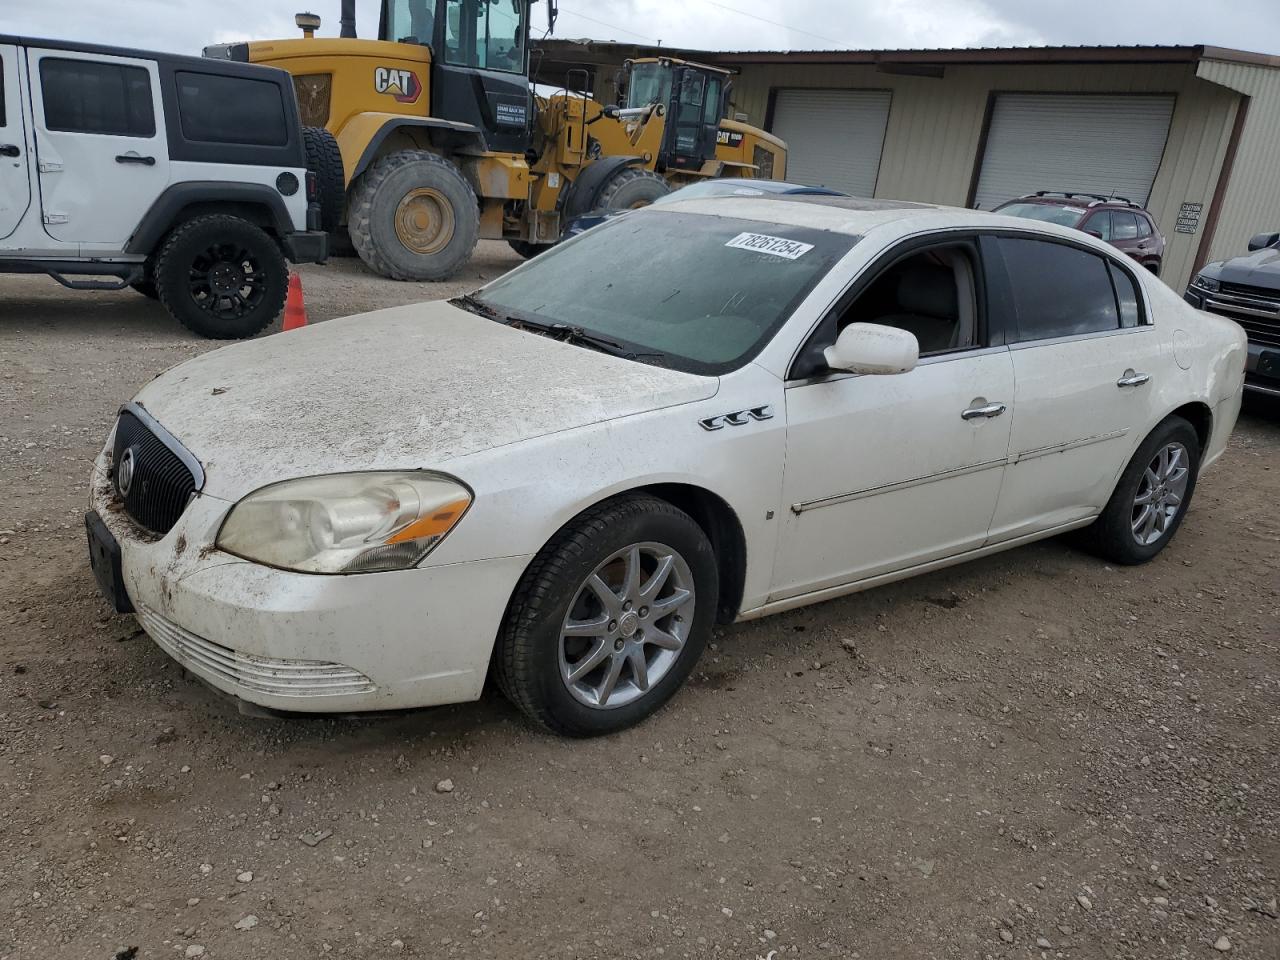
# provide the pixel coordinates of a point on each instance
(89, 96)
(485, 33)
(1061, 214)
(214, 108)
(697, 293)
(2, 122)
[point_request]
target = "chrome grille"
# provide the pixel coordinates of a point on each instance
(280, 678)
(1256, 309)
(157, 483)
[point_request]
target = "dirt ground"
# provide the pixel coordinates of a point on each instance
(1035, 754)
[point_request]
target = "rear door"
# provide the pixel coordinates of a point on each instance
(100, 139)
(15, 176)
(1085, 362)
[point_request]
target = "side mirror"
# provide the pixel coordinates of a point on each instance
(1094, 233)
(1262, 241)
(873, 348)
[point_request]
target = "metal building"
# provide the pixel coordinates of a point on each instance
(1192, 132)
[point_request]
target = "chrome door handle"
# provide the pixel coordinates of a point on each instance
(987, 410)
(1131, 379)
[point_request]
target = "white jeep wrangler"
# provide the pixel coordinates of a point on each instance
(184, 178)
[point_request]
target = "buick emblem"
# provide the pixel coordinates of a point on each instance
(124, 473)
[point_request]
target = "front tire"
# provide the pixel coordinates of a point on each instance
(413, 216)
(222, 277)
(1151, 498)
(610, 618)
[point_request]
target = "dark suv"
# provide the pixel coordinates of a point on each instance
(1247, 289)
(1121, 222)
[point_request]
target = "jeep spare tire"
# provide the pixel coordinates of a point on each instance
(413, 216)
(222, 277)
(324, 159)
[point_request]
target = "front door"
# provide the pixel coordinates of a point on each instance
(15, 176)
(694, 120)
(887, 472)
(103, 157)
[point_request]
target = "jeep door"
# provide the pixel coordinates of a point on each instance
(15, 177)
(100, 140)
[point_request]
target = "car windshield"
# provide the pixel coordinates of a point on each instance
(1061, 214)
(694, 292)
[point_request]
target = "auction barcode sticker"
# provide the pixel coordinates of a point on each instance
(774, 246)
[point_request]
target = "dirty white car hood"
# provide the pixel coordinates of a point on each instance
(409, 387)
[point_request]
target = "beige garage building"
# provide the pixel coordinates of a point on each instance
(1192, 132)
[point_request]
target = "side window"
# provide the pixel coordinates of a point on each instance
(711, 109)
(1058, 290)
(485, 33)
(1099, 223)
(2, 121)
(90, 96)
(219, 109)
(1144, 226)
(1126, 296)
(1124, 226)
(930, 294)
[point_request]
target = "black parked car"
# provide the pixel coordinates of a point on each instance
(1247, 289)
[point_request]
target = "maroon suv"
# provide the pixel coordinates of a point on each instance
(1120, 222)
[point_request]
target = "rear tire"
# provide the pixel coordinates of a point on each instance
(222, 277)
(631, 187)
(324, 159)
(1124, 533)
(413, 216)
(537, 650)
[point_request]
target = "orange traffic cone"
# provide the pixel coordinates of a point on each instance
(295, 311)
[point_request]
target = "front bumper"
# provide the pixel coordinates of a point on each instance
(309, 643)
(307, 246)
(1262, 364)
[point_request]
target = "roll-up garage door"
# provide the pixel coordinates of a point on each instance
(1093, 143)
(834, 137)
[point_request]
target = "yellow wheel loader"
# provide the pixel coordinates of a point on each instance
(434, 137)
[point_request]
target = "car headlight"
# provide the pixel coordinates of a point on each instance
(1207, 284)
(345, 523)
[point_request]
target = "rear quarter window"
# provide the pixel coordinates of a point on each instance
(90, 96)
(221, 109)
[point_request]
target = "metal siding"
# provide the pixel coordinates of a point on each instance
(1097, 143)
(834, 137)
(935, 127)
(1251, 204)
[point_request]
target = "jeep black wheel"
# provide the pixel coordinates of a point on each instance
(222, 277)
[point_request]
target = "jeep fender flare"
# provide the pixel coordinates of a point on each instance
(585, 191)
(374, 128)
(206, 196)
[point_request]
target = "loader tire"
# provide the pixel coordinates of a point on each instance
(631, 187)
(413, 216)
(324, 159)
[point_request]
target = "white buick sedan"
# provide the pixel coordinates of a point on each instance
(702, 412)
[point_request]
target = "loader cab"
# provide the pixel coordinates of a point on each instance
(694, 97)
(480, 57)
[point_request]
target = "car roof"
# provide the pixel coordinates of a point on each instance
(1079, 201)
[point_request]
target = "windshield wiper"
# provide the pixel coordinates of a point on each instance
(567, 333)
(469, 301)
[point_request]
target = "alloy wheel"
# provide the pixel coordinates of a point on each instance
(227, 281)
(627, 625)
(1162, 489)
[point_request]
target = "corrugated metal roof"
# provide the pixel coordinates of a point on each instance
(1131, 53)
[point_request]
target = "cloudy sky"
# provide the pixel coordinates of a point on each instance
(187, 25)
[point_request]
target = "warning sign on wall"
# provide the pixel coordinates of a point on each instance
(1189, 217)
